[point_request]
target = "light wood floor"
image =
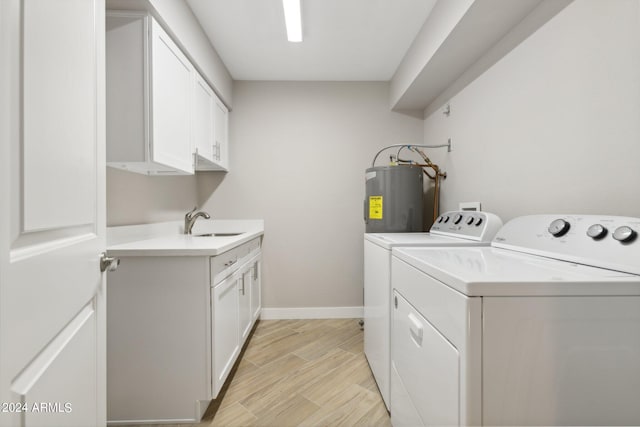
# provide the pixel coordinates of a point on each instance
(301, 373)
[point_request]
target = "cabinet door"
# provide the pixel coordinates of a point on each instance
(221, 123)
(256, 293)
(245, 303)
(203, 114)
(171, 79)
(226, 340)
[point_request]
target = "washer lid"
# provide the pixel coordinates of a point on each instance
(390, 240)
(492, 271)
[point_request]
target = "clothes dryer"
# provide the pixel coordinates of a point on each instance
(541, 328)
(451, 229)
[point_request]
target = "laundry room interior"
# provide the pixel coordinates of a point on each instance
(549, 127)
(235, 288)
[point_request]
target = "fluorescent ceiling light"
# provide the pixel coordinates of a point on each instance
(293, 20)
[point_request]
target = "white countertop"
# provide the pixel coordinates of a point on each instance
(166, 239)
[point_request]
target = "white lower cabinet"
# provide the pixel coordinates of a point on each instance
(175, 328)
(256, 295)
(226, 345)
(232, 318)
(249, 295)
(244, 303)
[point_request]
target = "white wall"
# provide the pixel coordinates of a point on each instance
(298, 155)
(553, 127)
(139, 199)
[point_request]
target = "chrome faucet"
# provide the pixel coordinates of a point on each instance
(190, 219)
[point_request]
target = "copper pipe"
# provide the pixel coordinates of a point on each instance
(427, 173)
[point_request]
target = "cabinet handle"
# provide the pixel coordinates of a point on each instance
(230, 263)
(415, 327)
(217, 147)
(242, 290)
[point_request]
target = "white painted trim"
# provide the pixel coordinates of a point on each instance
(312, 313)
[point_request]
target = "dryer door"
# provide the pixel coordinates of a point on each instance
(426, 365)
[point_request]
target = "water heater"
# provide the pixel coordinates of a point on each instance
(393, 200)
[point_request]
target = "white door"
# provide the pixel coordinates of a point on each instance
(52, 213)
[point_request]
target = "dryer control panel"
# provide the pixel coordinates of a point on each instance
(480, 226)
(597, 240)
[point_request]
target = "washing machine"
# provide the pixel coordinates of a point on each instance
(456, 228)
(540, 328)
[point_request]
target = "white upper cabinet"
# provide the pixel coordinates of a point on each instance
(221, 124)
(207, 124)
(171, 79)
(148, 97)
(203, 136)
(160, 110)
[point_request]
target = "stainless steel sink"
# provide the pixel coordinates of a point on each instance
(217, 234)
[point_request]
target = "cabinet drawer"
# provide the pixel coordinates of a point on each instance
(253, 245)
(225, 264)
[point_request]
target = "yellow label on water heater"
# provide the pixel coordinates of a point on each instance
(375, 207)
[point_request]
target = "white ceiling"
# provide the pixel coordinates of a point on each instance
(344, 40)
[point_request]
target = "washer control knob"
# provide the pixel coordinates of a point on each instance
(440, 218)
(470, 220)
(446, 218)
(457, 219)
(559, 228)
(625, 234)
(596, 231)
(478, 221)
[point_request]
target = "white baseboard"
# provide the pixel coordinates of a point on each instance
(312, 313)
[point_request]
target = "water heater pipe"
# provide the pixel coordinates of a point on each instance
(436, 178)
(409, 146)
